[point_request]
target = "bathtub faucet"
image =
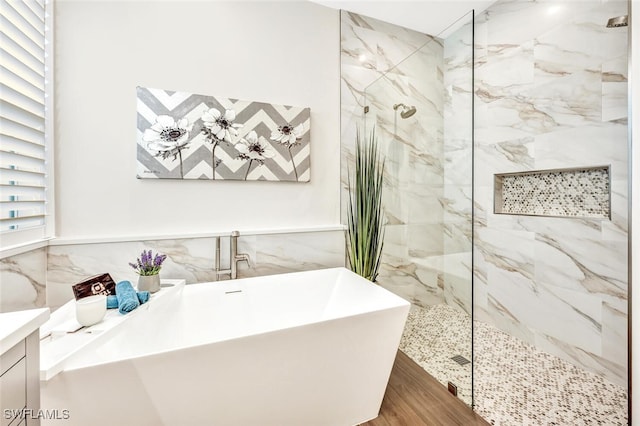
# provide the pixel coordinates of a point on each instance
(234, 257)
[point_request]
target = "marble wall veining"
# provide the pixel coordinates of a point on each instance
(381, 66)
(457, 167)
(369, 49)
(192, 259)
(23, 281)
(44, 277)
(548, 75)
(427, 194)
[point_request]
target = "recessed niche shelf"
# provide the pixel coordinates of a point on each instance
(578, 192)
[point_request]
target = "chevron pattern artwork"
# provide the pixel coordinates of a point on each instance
(189, 136)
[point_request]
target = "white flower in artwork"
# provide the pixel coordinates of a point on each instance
(220, 126)
(254, 148)
(166, 137)
(288, 135)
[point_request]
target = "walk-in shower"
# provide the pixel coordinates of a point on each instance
(539, 305)
(443, 228)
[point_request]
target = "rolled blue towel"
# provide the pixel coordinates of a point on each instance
(143, 296)
(127, 297)
(112, 299)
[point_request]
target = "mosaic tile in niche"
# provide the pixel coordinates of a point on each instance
(583, 192)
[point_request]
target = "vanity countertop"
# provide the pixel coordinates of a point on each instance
(15, 326)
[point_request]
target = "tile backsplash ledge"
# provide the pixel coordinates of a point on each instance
(43, 277)
(97, 239)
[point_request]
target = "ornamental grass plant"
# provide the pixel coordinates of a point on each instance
(365, 217)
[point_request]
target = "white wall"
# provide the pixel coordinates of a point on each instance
(275, 52)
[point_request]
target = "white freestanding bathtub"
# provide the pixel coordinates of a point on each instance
(307, 348)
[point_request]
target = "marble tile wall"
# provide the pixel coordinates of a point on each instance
(548, 79)
(44, 277)
(427, 197)
(23, 281)
(457, 166)
(381, 67)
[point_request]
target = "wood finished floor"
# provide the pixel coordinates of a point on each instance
(415, 398)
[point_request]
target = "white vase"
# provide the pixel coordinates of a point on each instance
(150, 283)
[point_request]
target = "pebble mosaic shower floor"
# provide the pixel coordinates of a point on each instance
(515, 384)
(434, 335)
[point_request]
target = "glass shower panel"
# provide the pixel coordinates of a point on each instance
(422, 111)
(551, 293)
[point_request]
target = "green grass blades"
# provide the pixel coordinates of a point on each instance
(365, 219)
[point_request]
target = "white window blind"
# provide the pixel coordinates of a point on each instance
(22, 115)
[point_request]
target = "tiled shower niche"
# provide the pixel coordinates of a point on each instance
(576, 192)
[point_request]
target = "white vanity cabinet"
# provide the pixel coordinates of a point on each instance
(20, 366)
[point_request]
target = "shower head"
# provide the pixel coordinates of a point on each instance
(407, 111)
(618, 21)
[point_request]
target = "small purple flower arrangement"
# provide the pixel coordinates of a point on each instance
(148, 264)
